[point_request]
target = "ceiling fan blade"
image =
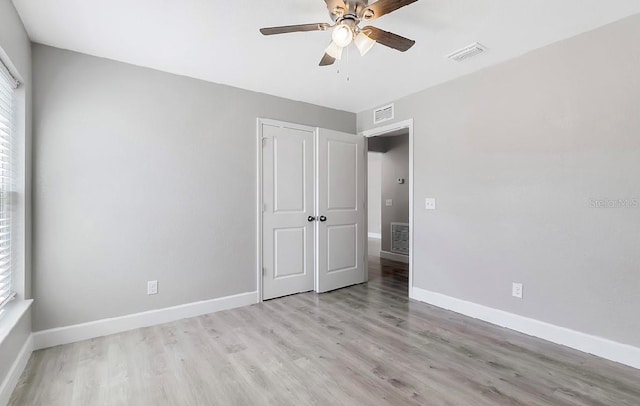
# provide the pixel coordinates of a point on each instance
(327, 60)
(383, 7)
(389, 39)
(294, 28)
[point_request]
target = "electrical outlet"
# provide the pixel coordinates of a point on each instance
(152, 288)
(516, 290)
(429, 203)
(389, 202)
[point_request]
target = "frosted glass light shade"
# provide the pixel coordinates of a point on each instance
(342, 35)
(334, 51)
(363, 43)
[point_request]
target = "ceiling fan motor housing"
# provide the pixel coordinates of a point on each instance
(355, 9)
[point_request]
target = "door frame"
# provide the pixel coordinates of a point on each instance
(374, 132)
(259, 154)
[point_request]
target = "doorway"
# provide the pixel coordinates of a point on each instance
(311, 209)
(390, 201)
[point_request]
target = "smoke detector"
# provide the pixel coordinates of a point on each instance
(467, 52)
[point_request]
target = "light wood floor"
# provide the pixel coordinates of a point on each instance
(363, 345)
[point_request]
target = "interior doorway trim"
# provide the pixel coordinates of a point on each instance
(259, 205)
(406, 124)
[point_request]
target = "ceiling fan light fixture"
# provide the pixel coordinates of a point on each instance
(342, 35)
(347, 16)
(334, 51)
(363, 43)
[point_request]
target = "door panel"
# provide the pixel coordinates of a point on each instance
(342, 160)
(290, 252)
(342, 247)
(340, 190)
(288, 198)
(289, 173)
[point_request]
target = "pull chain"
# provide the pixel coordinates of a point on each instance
(345, 58)
(347, 63)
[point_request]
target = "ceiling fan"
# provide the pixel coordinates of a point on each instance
(347, 15)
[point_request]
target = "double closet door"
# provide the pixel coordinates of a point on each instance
(313, 209)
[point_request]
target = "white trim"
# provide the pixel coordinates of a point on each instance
(99, 328)
(377, 236)
(259, 207)
(18, 366)
(7, 73)
(11, 315)
(365, 246)
(602, 347)
(394, 257)
(12, 295)
(408, 124)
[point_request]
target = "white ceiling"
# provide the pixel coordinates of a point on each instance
(218, 41)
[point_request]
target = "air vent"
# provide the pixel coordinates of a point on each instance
(467, 52)
(383, 114)
(400, 238)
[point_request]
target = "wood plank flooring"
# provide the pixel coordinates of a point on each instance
(362, 345)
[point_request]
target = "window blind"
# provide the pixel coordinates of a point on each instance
(7, 118)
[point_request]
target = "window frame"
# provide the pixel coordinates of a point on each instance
(18, 200)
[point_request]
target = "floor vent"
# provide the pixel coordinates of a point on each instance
(400, 238)
(467, 52)
(383, 114)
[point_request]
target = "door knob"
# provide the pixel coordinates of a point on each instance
(323, 218)
(310, 219)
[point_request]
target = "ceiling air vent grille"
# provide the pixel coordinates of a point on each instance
(467, 52)
(383, 114)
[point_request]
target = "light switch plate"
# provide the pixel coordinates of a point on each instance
(516, 290)
(152, 288)
(430, 203)
(389, 202)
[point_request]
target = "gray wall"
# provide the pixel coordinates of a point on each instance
(14, 40)
(144, 175)
(515, 154)
(395, 164)
(15, 46)
(374, 191)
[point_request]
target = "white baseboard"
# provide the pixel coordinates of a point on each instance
(12, 378)
(375, 235)
(99, 328)
(602, 347)
(394, 257)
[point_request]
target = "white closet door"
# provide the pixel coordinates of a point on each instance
(340, 207)
(288, 202)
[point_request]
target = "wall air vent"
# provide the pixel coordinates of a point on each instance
(467, 52)
(400, 238)
(383, 114)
